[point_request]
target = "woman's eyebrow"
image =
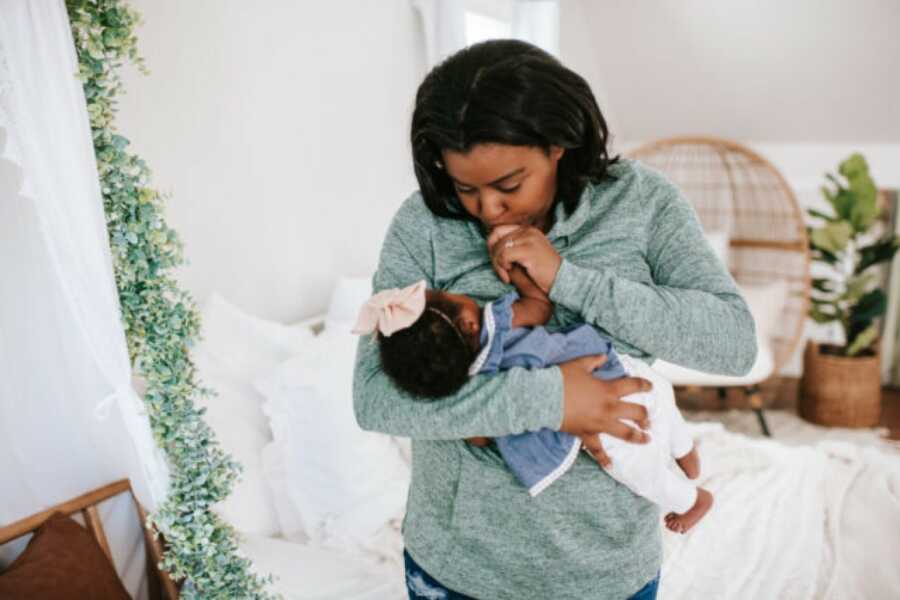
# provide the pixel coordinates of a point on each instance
(498, 180)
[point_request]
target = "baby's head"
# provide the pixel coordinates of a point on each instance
(427, 338)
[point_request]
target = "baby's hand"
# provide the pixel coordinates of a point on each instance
(479, 441)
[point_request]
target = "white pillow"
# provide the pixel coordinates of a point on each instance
(290, 522)
(720, 241)
(344, 483)
(240, 427)
(348, 296)
(247, 345)
(766, 302)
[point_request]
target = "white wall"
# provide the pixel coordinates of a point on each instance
(280, 129)
(804, 71)
(803, 83)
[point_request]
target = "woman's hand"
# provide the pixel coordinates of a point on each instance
(593, 406)
(528, 247)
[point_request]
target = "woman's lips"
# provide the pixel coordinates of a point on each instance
(521, 223)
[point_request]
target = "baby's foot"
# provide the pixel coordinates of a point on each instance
(682, 523)
(690, 463)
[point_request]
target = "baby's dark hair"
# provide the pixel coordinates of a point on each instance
(430, 358)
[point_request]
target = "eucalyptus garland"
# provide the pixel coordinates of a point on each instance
(161, 323)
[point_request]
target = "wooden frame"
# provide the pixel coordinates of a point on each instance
(158, 581)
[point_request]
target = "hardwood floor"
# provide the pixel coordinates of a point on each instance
(780, 393)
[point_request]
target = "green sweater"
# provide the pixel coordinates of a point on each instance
(635, 265)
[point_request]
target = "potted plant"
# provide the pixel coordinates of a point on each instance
(841, 384)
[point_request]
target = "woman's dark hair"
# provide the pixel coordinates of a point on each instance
(428, 359)
(507, 92)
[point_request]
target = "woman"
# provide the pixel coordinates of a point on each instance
(502, 133)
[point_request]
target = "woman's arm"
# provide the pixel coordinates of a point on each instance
(564, 397)
(514, 401)
(691, 315)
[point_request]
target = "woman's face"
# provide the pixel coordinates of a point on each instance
(501, 184)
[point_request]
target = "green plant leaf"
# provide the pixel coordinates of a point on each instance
(816, 213)
(863, 340)
(881, 251)
(833, 237)
(856, 286)
(822, 284)
(871, 305)
(862, 190)
(822, 317)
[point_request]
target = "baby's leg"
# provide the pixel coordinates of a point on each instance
(681, 444)
(684, 451)
(680, 523)
(644, 469)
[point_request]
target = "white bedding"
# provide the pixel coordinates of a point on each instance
(817, 521)
(795, 522)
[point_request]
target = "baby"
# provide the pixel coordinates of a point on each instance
(432, 341)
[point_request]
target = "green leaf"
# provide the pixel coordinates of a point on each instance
(862, 190)
(816, 213)
(871, 305)
(856, 286)
(823, 285)
(843, 204)
(833, 237)
(822, 317)
(881, 251)
(863, 340)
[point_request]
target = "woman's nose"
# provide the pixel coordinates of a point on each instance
(492, 207)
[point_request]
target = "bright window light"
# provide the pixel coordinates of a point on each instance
(482, 27)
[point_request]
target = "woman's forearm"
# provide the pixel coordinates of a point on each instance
(691, 315)
(514, 401)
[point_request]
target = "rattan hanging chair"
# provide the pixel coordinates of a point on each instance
(736, 190)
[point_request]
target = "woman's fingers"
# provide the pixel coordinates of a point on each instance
(623, 409)
(631, 385)
(626, 432)
(592, 361)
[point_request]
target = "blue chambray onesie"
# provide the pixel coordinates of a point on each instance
(538, 458)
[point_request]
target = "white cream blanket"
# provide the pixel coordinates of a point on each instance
(794, 522)
(793, 519)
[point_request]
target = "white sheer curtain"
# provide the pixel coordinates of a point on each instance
(537, 21)
(452, 24)
(444, 24)
(69, 418)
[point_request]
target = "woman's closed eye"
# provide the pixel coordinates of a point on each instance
(504, 190)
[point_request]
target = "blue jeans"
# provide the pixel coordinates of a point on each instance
(422, 586)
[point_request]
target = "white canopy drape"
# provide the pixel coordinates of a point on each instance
(69, 418)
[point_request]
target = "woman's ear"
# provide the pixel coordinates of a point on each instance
(468, 326)
(556, 152)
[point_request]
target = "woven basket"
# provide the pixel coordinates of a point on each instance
(840, 391)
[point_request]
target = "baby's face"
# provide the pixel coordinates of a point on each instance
(469, 320)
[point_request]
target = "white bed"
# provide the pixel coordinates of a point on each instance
(810, 519)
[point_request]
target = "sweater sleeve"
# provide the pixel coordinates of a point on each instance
(513, 401)
(691, 315)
